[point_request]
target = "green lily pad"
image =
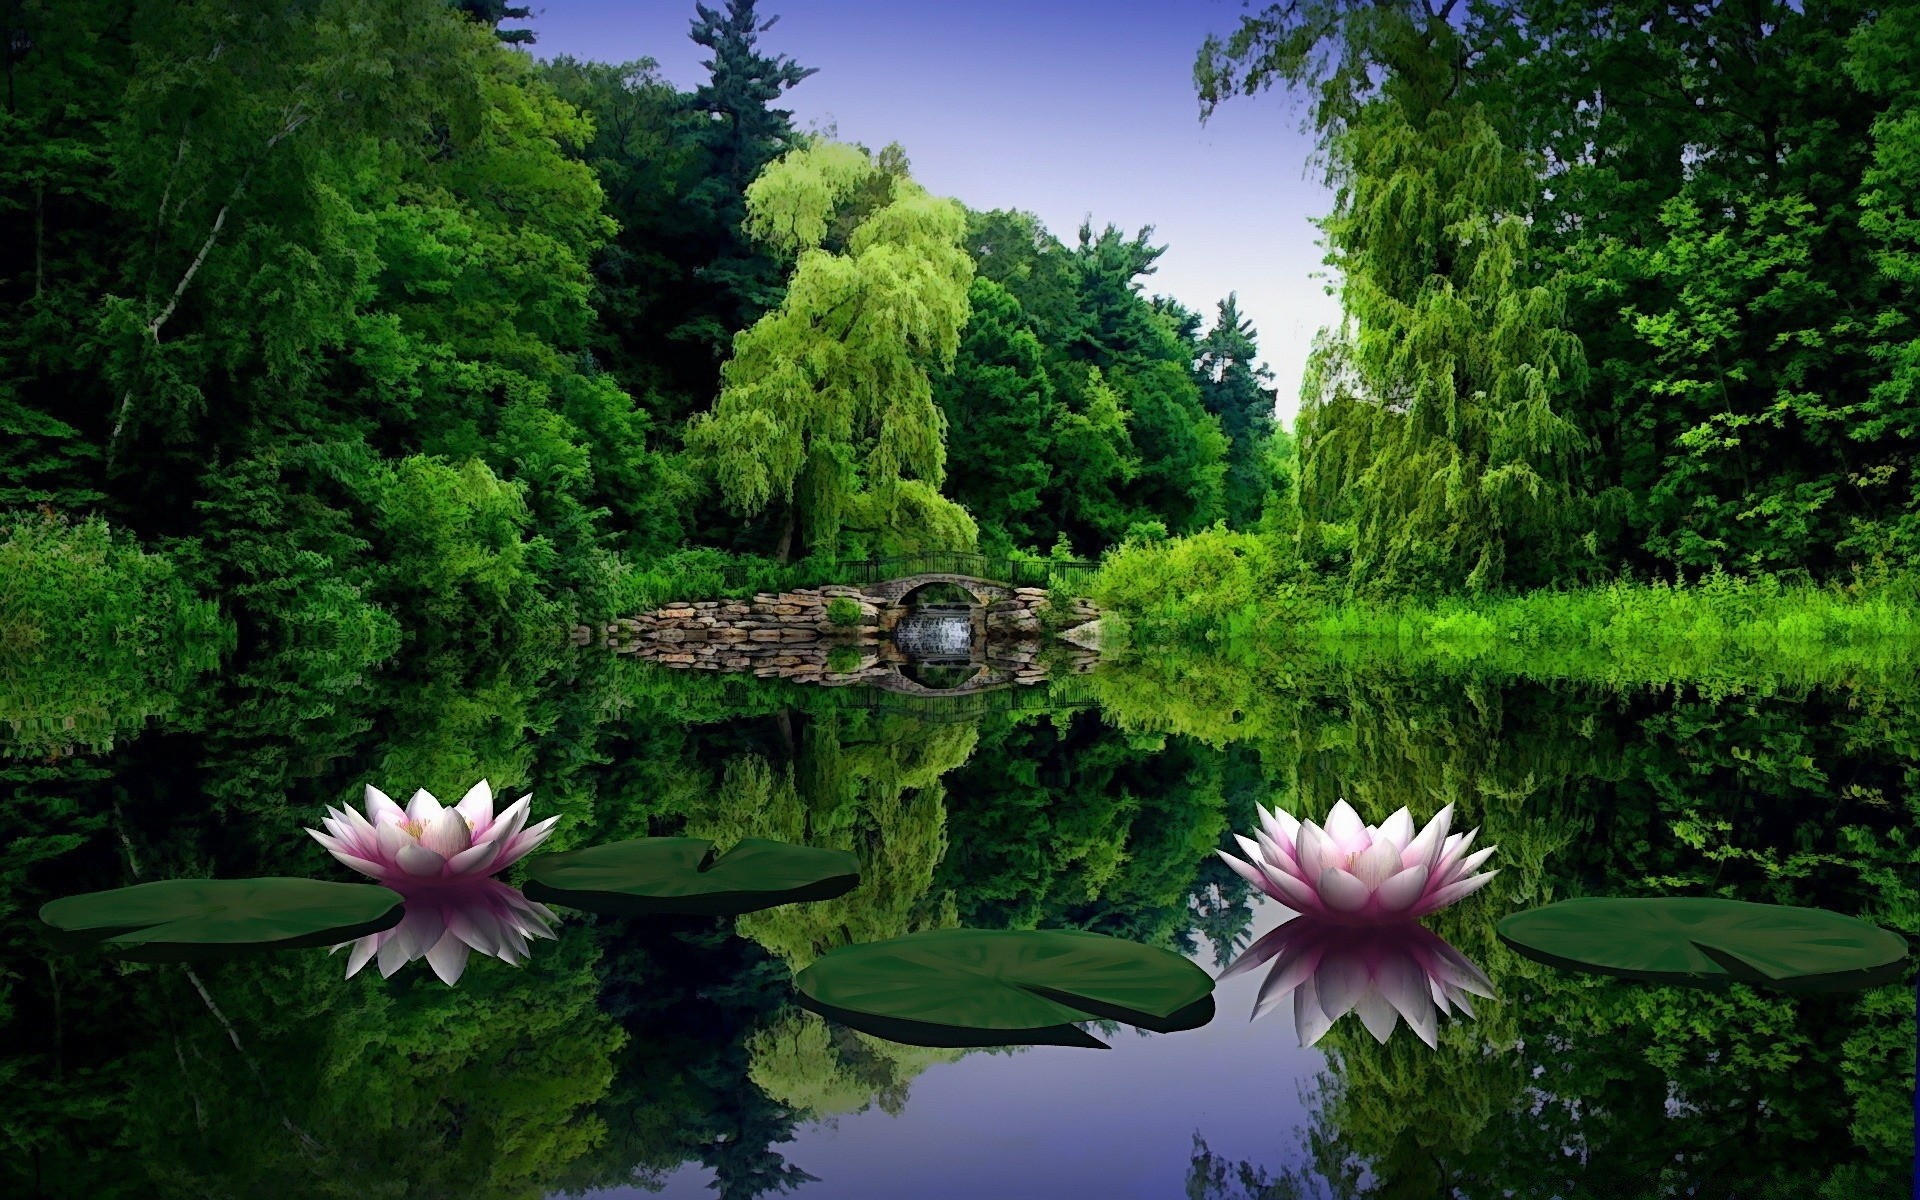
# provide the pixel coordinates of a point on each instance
(174, 920)
(650, 876)
(1701, 941)
(1005, 987)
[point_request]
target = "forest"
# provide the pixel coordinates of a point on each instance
(352, 351)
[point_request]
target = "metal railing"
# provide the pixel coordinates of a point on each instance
(1014, 572)
(971, 705)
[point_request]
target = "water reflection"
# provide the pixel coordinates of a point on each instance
(935, 632)
(1383, 972)
(446, 922)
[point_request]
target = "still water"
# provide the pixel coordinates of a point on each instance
(632, 1057)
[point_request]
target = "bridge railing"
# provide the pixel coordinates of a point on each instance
(1058, 696)
(1015, 572)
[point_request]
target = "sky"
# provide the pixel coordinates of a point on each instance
(1069, 109)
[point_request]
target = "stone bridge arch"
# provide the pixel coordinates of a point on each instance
(988, 679)
(984, 591)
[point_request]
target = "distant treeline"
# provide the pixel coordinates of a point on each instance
(366, 318)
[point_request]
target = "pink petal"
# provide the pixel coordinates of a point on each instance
(1340, 982)
(1263, 949)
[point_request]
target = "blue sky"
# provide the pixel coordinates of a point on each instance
(1066, 108)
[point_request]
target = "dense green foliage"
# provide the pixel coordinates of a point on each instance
(1624, 289)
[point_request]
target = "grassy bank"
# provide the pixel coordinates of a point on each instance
(1232, 594)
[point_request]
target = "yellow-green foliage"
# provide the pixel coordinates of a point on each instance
(877, 794)
(1191, 580)
(826, 402)
(95, 635)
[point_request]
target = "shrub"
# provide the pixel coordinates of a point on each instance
(843, 612)
(843, 660)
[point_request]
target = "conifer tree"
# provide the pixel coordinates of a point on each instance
(1239, 394)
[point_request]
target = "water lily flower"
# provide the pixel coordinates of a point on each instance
(447, 921)
(425, 843)
(1384, 972)
(1358, 873)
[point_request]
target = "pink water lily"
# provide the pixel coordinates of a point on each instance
(445, 922)
(425, 843)
(1384, 972)
(1357, 873)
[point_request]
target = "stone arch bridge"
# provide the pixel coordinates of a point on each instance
(895, 591)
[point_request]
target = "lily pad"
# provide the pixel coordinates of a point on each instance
(173, 920)
(1005, 987)
(650, 876)
(1700, 941)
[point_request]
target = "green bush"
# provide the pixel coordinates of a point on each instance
(843, 612)
(95, 634)
(843, 660)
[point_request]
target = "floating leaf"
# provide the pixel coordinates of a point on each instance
(682, 875)
(1709, 942)
(1005, 987)
(178, 919)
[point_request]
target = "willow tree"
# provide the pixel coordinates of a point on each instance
(1432, 423)
(826, 406)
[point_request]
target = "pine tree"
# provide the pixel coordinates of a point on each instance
(1239, 394)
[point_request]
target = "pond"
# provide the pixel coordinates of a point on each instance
(665, 1055)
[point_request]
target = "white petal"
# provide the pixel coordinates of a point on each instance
(513, 849)
(1452, 892)
(1397, 829)
(1291, 892)
(1315, 851)
(1377, 1015)
(1310, 1019)
(393, 956)
(476, 860)
(423, 807)
(1342, 892)
(476, 807)
(1280, 825)
(1376, 864)
(390, 840)
(1399, 893)
(446, 834)
(1252, 849)
(381, 809)
(1471, 863)
(448, 958)
(419, 862)
(1346, 828)
(1425, 848)
(363, 951)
